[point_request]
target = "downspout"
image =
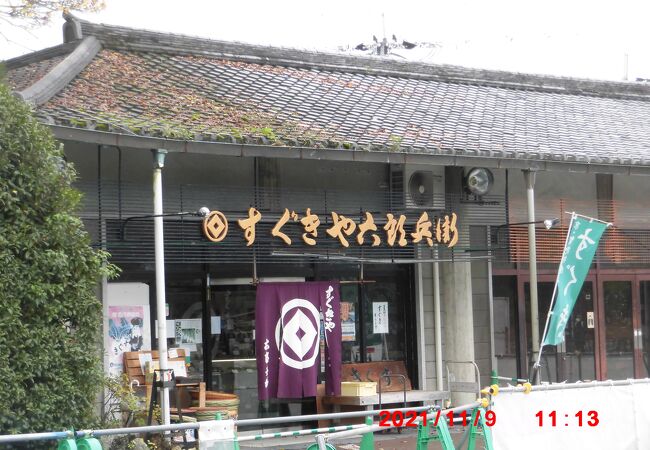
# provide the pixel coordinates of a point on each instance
(529, 178)
(493, 357)
(438, 319)
(422, 368)
(159, 162)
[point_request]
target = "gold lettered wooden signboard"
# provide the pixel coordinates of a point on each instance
(392, 231)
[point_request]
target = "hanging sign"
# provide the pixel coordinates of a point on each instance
(289, 329)
(441, 230)
(380, 317)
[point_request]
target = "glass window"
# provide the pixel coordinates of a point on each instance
(185, 303)
(384, 302)
(574, 359)
(382, 313)
(232, 343)
(645, 327)
(617, 297)
(505, 324)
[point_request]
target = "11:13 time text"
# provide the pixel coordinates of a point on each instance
(589, 418)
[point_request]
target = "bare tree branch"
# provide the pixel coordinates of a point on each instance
(31, 13)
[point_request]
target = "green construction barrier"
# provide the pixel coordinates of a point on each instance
(478, 428)
(368, 439)
(89, 444)
(67, 444)
(315, 447)
(80, 444)
(440, 433)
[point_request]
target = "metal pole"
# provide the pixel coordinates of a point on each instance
(536, 367)
(314, 417)
(158, 164)
(259, 437)
(437, 319)
(422, 369)
(493, 357)
(529, 177)
(578, 385)
(320, 440)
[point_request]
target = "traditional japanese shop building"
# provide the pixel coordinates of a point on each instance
(321, 166)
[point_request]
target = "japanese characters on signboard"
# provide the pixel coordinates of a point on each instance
(345, 230)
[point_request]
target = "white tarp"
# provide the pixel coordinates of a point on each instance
(622, 411)
(217, 435)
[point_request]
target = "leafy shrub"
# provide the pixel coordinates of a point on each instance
(50, 317)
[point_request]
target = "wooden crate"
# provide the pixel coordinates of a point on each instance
(358, 388)
(132, 363)
(134, 371)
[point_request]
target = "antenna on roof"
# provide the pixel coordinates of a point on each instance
(382, 49)
(625, 66)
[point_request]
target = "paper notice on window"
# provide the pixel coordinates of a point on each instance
(215, 324)
(170, 327)
(144, 359)
(380, 317)
(348, 324)
(178, 367)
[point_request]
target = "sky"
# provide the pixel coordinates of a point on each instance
(574, 38)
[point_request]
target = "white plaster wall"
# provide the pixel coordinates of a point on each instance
(578, 191)
(632, 198)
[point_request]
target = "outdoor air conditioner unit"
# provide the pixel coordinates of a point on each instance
(418, 186)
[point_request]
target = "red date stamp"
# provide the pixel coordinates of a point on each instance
(579, 419)
(410, 418)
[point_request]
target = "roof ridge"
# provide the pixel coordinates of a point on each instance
(120, 37)
(64, 72)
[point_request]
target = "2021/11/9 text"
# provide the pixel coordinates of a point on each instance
(410, 418)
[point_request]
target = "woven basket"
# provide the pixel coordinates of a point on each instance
(209, 413)
(214, 395)
(225, 403)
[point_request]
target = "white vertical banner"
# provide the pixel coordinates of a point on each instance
(380, 317)
(598, 417)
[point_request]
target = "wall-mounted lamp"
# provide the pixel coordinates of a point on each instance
(202, 212)
(548, 224)
(479, 181)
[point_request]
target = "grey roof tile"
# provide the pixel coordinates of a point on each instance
(189, 88)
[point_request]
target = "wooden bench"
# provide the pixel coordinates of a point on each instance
(134, 371)
(392, 388)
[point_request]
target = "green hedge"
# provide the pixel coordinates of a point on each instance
(50, 317)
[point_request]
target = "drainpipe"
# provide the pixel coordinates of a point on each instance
(493, 358)
(422, 361)
(529, 178)
(437, 318)
(158, 164)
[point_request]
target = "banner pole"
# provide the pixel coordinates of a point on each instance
(550, 309)
(609, 224)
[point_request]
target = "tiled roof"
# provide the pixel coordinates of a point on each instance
(22, 77)
(161, 85)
